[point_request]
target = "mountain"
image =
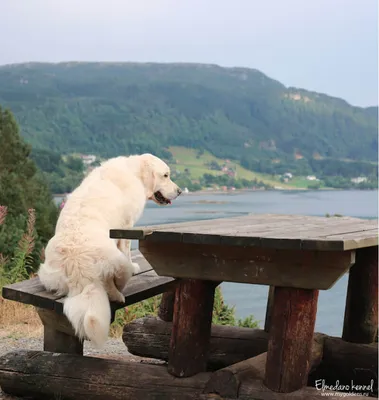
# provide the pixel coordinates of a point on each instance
(236, 113)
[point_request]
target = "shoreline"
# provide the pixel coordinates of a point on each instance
(240, 191)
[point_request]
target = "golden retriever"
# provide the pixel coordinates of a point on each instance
(81, 261)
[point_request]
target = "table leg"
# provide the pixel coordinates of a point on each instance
(361, 312)
(270, 304)
(191, 328)
(290, 338)
(166, 308)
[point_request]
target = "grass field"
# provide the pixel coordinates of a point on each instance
(187, 158)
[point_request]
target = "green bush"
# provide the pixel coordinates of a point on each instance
(15, 267)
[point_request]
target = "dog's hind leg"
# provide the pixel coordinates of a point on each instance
(113, 293)
(124, 246)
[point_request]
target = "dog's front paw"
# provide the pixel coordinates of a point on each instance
(136, 268)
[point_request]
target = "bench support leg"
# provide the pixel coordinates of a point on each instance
(361, 312)
(58, 334)
(290, 338)
(191, 328)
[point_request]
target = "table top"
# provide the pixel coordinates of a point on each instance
(265, 230)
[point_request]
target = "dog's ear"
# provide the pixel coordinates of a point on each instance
(148, 176)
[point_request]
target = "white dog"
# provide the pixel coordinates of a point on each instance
(81, 261)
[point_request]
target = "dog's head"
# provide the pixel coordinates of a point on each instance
(155, 175)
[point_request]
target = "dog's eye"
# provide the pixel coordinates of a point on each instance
(165, 175)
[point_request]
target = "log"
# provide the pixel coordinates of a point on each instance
(150, 337)
(270, 304)
(191, 327)
(361, 313)
(346, 363)
(256, 390)
(39, 375)
(166, 308)
(226, 382)
(290, 338)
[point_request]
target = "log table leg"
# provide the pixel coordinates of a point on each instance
(166, 308)
(361, 312)
(290, 338)
(191, 328)
(270, 303)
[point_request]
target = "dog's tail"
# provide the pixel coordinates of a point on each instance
(90, 314)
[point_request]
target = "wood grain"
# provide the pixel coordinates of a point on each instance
(150, 337)
(290, 339)
(65, 376)
(361, 312)
(288, 268)
(275, 231)
(141, 286)
(191, 327)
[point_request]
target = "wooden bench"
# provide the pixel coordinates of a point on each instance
(59, 335)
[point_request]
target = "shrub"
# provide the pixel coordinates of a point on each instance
(17, 266)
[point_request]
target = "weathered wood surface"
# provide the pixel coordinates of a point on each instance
(289, 268)
(275, 231)
(262, 393)
(166, 308)
(150, 337)
(290, 339)
(270, 305)
(191, 327)
(65, 376)
(348, 362)
(253, 389)
(361, 313)
(141, 286)
(58, 334)
(227, 381)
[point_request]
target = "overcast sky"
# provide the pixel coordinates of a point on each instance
(329, 46)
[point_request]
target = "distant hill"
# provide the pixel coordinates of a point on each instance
(236, 113)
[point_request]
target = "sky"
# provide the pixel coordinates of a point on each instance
(329, 46)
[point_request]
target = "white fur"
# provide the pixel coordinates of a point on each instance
(81, 261)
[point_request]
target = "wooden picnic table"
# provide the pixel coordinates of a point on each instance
(295, 255)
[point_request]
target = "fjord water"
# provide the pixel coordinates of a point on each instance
(251, 299)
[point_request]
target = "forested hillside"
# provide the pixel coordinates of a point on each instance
(236, 113)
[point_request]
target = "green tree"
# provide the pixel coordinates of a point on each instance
(21, 189)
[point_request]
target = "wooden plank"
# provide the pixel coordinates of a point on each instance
(290, 339)
(141, 286)
(191, 328)
(250, 219)
(361, 312)
(276, 231)
(58, 334)
(288, 268)
(357, 241)
(45, 375)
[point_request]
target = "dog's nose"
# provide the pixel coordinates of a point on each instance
(179, 191)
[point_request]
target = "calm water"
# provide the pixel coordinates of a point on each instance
(251, 299)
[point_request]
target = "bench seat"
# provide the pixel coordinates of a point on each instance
(140, 287)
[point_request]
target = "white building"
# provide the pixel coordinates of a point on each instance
(359, 179)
